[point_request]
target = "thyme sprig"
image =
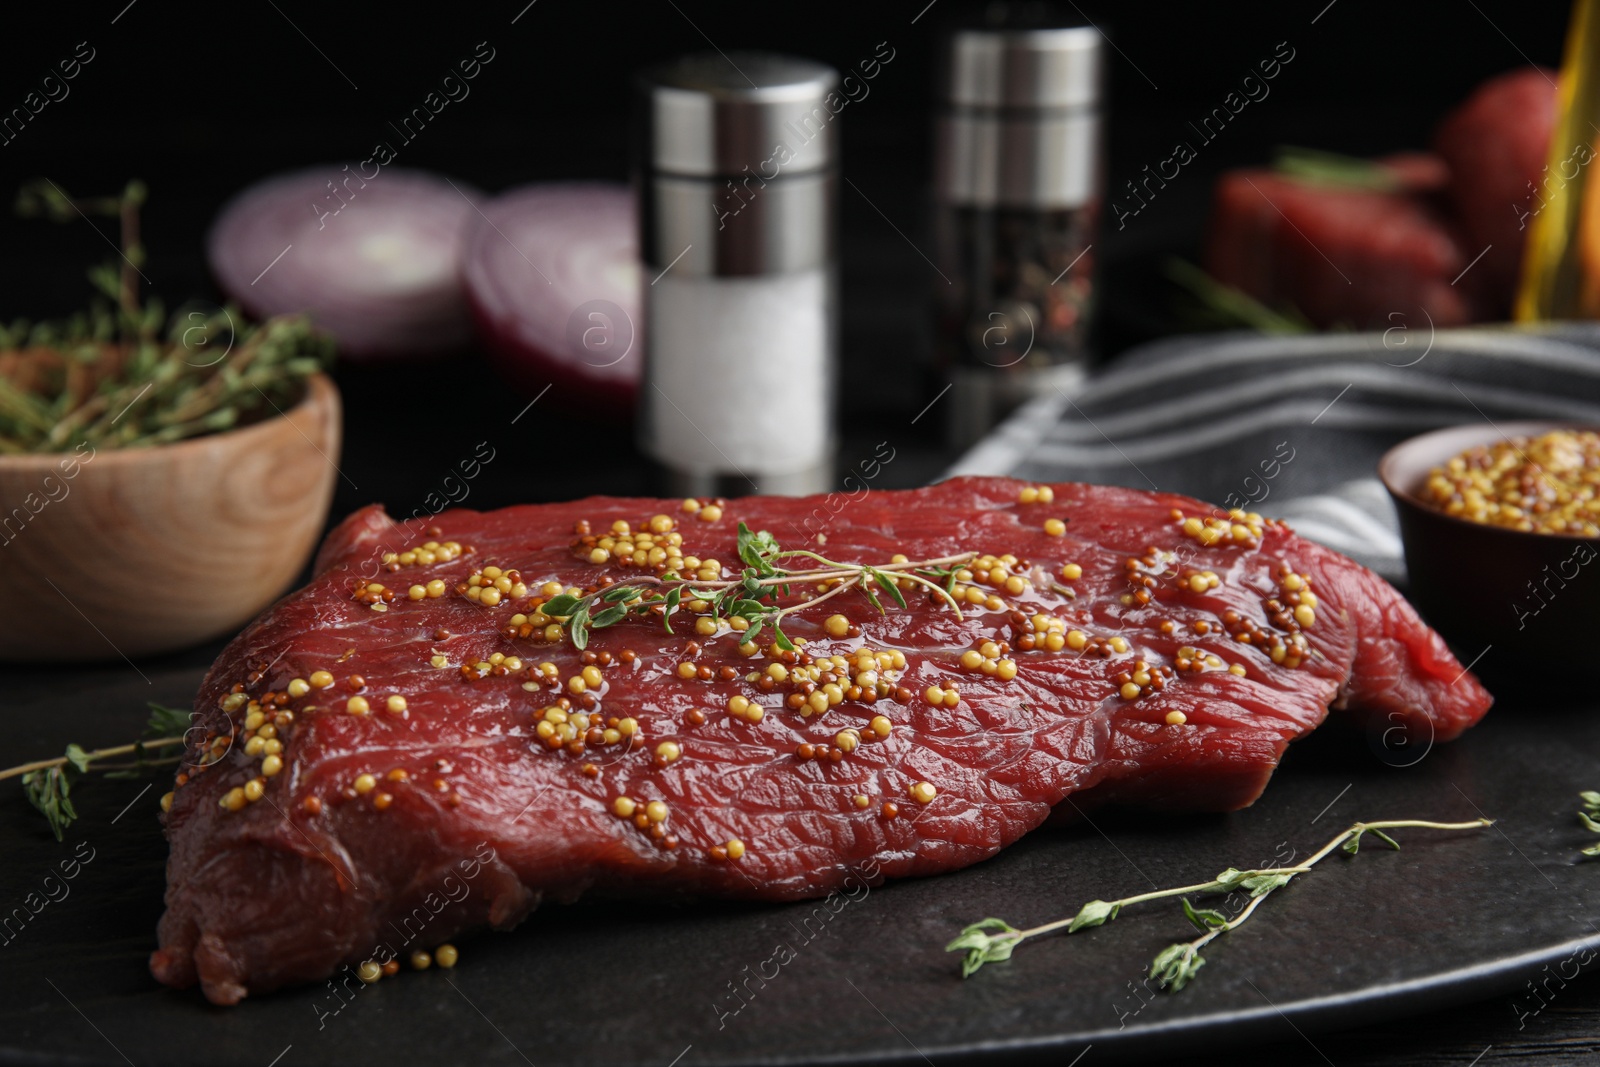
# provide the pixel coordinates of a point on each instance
(993, 940)
(48, 783)
(1590, 817)
(754, 596)
(1221, 306)
(1317, 167)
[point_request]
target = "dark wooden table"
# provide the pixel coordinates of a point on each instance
(1558, 1026)
(1505, 1029)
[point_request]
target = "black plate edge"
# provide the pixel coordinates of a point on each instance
(1372, 1005)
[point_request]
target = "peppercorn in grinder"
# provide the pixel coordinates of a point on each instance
(1018, 182)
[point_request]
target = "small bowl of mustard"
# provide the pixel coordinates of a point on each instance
(1501, 527)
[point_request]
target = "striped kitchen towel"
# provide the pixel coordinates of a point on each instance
(1293, 427)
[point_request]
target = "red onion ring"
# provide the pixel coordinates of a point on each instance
(552, 278)
(375, 261)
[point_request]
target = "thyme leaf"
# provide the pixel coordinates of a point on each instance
(983, 947)
(1093, 913)
(758, 549)
(48, 790)
(1353, 844)
(609, 616)
(673, 599)
(165, 721)
(873, 599)
(1175, 965)
(1205, 919)
(888, 587)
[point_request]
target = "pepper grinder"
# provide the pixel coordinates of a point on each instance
(1018, 183)
(737, 203)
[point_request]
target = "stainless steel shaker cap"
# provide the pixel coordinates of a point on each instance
(1021, 127)
(711, 115)
(1025, 69)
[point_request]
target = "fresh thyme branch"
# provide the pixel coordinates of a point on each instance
(993, 940)
(48, 783)
(755, 595)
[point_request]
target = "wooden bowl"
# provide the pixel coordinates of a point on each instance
(128, 553)
(1524, 602)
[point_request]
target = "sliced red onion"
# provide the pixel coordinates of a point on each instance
(552, 275)
(375, 261)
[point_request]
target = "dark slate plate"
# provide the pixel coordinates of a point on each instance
(1452, 918)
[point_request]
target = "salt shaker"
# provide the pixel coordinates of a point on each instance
(737, 201)
(1018, 181)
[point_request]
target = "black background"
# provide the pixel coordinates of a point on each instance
(202, 100)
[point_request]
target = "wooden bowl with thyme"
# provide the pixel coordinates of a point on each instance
(158, 487)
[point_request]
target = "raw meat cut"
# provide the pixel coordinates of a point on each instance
(1342, 256)
(399, 729)
(1447, 240)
